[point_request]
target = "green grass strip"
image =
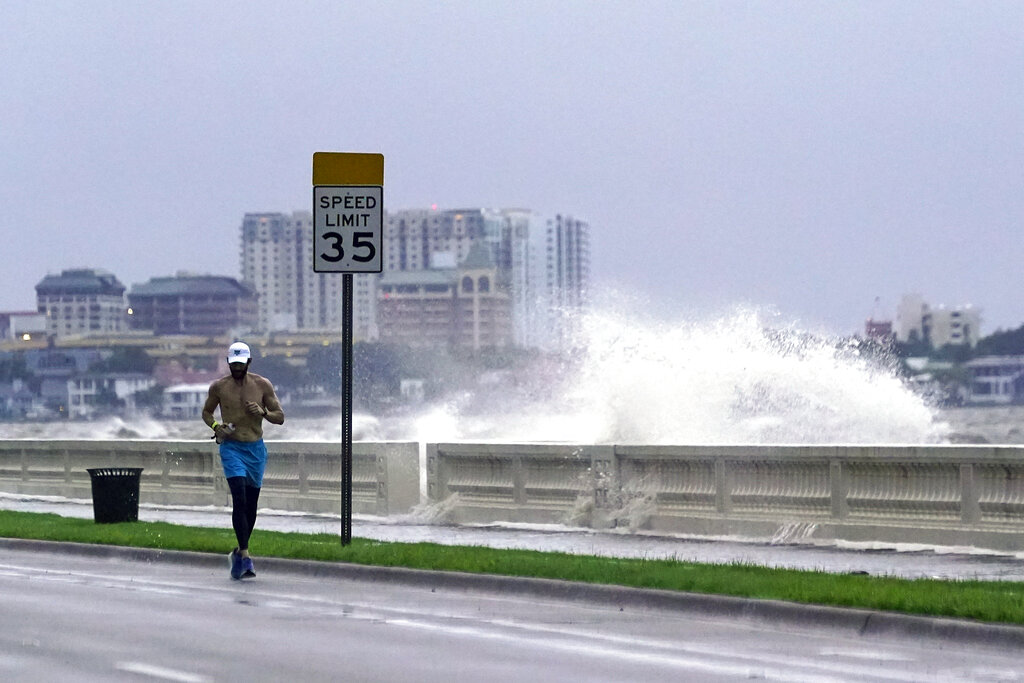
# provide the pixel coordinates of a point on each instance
(990, 601)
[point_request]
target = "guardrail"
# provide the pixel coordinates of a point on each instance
(300, 476)
(936, 495)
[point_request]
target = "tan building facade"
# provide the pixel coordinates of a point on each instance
(461, 308)
(82, 301)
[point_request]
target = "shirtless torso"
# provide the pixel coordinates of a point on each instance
(244, 403)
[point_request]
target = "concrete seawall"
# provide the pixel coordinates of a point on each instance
(936, 495)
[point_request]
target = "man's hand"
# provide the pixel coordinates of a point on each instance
(254, 409)
(222, 432)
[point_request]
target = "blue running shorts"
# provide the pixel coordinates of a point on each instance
(244, 459)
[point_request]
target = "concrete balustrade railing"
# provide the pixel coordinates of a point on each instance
(937, 495)
(300, 476)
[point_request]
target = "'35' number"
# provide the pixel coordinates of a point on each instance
(360, 240)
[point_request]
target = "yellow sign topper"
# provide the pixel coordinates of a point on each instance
(347, 168)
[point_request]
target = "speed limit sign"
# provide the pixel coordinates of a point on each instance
(347, 228)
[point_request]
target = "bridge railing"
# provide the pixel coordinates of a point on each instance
(941, 495)
(937, 495)
(300, 476)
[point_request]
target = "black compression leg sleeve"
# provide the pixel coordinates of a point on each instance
(240, 511)
(252, 496)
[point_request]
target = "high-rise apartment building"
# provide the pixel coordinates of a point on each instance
(551, 269)
(81, 301)
(543, 263)
(277, 261)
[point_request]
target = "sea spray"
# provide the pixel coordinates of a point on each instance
(731, 380)
(728, 380)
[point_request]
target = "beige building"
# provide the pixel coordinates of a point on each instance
(459, 308)
(82, 301)
(917, 321)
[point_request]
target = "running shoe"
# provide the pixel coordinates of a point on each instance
(235, 562)
(247, 569)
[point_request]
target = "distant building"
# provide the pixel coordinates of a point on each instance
(87, 393)
(459, 308)
(917, 322)
(55, 367)
(209, 305)
(23, 325)
(558, 290)
(277, 261)
(880, 330)
(185, 401)
(953, 326)
(16, 400)
(996, 380)
(60, 362)
(541, 263)
(80, 302)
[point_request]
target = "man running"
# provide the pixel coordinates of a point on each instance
(245, 399)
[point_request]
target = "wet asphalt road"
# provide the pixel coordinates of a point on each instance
(85, 618)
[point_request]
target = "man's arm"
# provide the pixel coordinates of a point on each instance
(271, 406)
(212, 401)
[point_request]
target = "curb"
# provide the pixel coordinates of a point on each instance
(861, 622)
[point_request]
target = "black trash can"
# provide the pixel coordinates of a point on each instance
(115, 494)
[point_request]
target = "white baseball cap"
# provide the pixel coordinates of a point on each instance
(239, 353)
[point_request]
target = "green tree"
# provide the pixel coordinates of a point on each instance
(149, 399)
(323, 367)
(285, 376)
(107, 400)
(126, 359)
(956, 353)
(376, 373)
(13, 367)
(1002, 343)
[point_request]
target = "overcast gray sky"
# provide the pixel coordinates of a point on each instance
(807, 157)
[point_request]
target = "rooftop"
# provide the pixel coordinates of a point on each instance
(81, 281)
(204, 285)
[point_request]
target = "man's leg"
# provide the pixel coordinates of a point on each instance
(240, 513)
(252, 497)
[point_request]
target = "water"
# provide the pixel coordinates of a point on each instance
(720, 380)
(991, 425)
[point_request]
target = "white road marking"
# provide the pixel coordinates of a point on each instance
(160, 672)
(873, 655)
(594, 650)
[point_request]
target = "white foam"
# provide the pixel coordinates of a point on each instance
(726, 380)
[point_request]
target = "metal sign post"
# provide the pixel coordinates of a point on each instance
(348, 228)
(346, 408)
